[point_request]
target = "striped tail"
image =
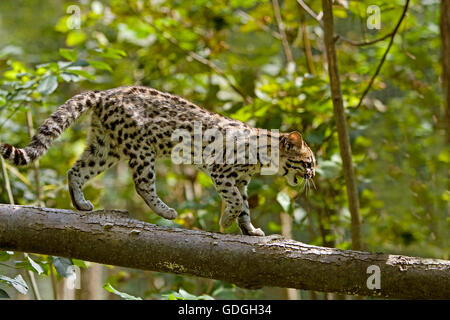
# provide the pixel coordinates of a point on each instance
(51, 129)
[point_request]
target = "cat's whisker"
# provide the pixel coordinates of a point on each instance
(304, 182)
(314, 185)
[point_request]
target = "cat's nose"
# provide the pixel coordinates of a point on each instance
(310, 173)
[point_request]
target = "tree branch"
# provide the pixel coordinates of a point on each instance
(364, 43)
(112, 237)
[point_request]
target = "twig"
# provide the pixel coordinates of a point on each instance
(318, 18)
(36, 170)
(315, 16)
(284, 42)
(377, 71)
(364, 43)
(34, 286)
(195, 56)
(6, 181)
(307, 46)
(264, 27)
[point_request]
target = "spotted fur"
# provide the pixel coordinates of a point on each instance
(136, 124)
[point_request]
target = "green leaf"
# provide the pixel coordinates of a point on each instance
(329, 169)
(184, 295)
(17, 283)
(78, 63)
(4, 294)
(63, 266)
(68, 77)
(69, 54)
(100, 65)
(35, 266)
(284, 200)
(82, 73)
(79, 263)
(47, 85)
(108, 287)
(5, 255)
(111, 53)
(75, 37)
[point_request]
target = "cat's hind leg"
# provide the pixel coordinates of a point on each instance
(97, 157)
(144, 179)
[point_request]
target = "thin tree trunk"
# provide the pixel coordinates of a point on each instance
(91, 284)
(112, 237)
(36, 169)
(286, 231)
(30, 273)
(307, 45)
(341, 124)
(65, 292)
(445, 52)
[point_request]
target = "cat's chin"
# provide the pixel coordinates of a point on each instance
(292, 181)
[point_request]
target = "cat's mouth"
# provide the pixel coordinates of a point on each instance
(309, 174)
(307, 180)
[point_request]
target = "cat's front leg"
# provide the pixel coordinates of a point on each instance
(244, 221)
(233, 202)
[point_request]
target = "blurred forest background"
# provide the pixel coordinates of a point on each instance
(243, 60)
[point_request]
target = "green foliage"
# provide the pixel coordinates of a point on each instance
(17, 283)
(108, 287)
(399, 151)
(184, 295)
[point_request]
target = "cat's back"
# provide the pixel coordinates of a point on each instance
(148, 106)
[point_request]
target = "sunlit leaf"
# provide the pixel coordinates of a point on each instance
(81, 73)
(284, 200)
(69, 54)
(35, 265)
(64, 266)
(18, 283)
(47, 85)
(108, 287)
(75, 37)
(100, 65)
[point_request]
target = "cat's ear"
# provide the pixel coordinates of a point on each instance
(293, 140)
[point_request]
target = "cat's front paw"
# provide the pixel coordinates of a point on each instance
(256, 232)
(169, 214)
(84, 205)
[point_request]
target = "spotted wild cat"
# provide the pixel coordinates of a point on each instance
(138, 124)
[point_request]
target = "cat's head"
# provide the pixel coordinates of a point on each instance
(298, 161)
